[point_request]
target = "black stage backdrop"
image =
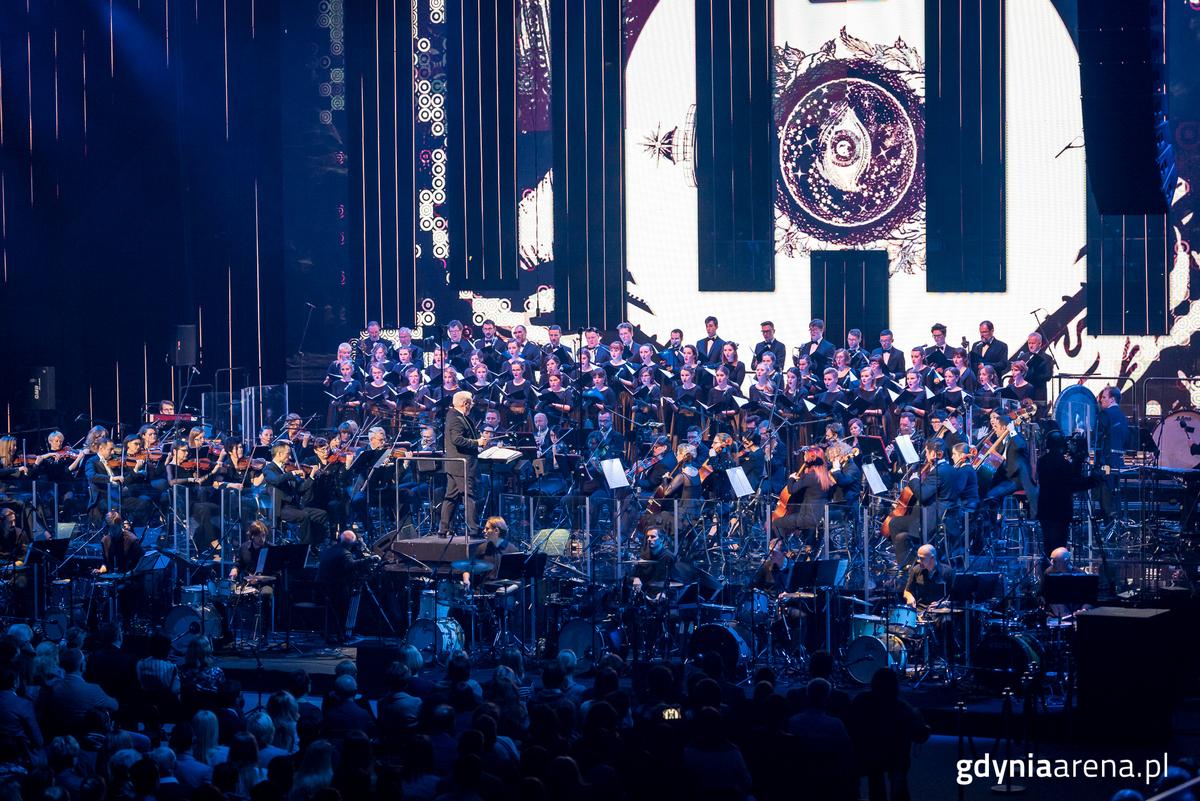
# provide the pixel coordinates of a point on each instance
(141, 184)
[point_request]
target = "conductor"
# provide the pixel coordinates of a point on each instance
(462, 477)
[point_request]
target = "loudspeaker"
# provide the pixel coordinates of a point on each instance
(40, 393)
(373, 662)
(1123, 77)
(185, 346)
(1126, 662)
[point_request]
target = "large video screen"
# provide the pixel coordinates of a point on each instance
(850, 162)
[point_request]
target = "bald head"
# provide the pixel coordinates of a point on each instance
(347, 537)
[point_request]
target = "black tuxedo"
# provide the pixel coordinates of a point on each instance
(820, 355)
(893, 360)
(462, 478)
(994, 353)
(288, 492)
(775, 347)
(493, 354)
(599, 355)
(710, 352)
(1039, 374)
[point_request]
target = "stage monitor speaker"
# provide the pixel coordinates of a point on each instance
(185, 345)
(1123, 75)
(40, 394)
(373, 662)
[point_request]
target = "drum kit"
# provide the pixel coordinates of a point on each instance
(445, 605)
(1003, 648)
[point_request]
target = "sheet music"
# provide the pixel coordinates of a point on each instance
(614, 473)
(904, 441)
(499, 452)
(739, 482)
(873, 479)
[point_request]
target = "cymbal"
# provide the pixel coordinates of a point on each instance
(471, 566)
(672, 585)
(640, 562)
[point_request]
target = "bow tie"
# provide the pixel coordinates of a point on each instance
(711, 339)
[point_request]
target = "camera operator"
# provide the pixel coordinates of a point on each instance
(341, 565)
(1061, 474)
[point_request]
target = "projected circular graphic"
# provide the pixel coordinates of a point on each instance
(850, 152)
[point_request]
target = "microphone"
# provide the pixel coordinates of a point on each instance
(194, 370)
(80, 418)
(309, 305)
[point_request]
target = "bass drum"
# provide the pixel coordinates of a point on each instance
(588, 641)
(437, 640)
(1075, 410)
(869, 654)
(183, 623)
(1178, 441)
(1001, 661)
(730, 640)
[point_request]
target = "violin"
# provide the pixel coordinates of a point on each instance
(246, 463)
(62, 453)
(192, 464)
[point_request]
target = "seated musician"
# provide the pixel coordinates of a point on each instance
(752, 460)
(101, 477)
(648, 477)
(1016, 471)
(928, 588)
(328, 490)
(772, 575)
(494, 546)
(652, 578)
(934, 491)
(235, 474)
(289, 488)
(1060, 564)
(122, 552)
(295, 434)
(846, 475)
(374, 481)
(809, 488)
(908, 428)
(938, 422)
(245, 570)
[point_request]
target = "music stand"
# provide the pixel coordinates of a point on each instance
(281, 559)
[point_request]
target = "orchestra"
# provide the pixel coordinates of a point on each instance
(399, 444)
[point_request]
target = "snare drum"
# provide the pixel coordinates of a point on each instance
(436, 639)
(867, 626)
(431, 608)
